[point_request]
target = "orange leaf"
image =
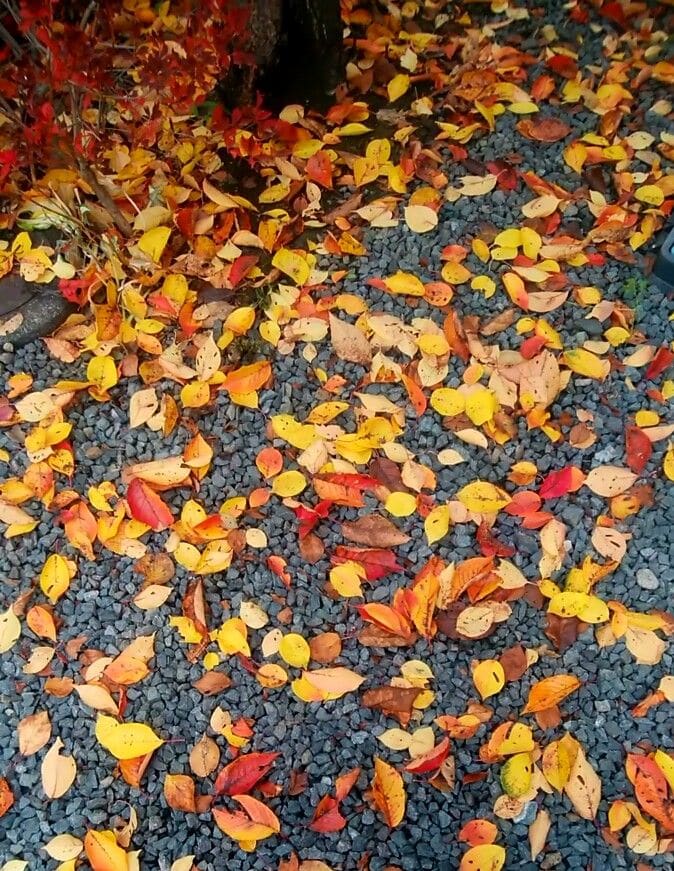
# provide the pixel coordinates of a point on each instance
(179, 792)
(550, 691)
(247, 378)
(388, 792)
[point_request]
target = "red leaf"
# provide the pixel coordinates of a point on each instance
(327, 817)
(490, 545)
(523, 504)
(563, 66)
(377, 562)
(319, 169)
(147, 506)
(562, 481)
(650, 787)
(430, 761)
(662, 360)
(240, 776)
(345, 783)
(638, 448)
(240, 267)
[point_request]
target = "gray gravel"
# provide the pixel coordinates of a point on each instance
(325, 740)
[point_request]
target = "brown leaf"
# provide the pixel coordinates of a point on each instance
(498, 323)
(325, 647)
(388, 474)
(371, 636)
(514, 662)
(543, 129)
(393, 701)
(563, 631)
(179, 792)
(34, 732)
(349, 342)
(212, 682)
(157, 568)
(312, 548)
(374, 530)
(204, 756)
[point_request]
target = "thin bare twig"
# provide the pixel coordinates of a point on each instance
(89, 175)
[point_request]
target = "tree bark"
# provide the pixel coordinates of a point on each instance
(297, 45)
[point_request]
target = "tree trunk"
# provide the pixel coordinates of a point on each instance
(297, 45)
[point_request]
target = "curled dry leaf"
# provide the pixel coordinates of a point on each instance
(349, 342)
(34, 732)
(609, 481)
(538, 833)
(204, 757)
(57, 771)
(373, 530)
(583, 787)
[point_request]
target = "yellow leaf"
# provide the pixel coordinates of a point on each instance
(558, 758)
(104, 853)
(483, 857)
(346, 578)
(195, 395)
(292, 264)
(481, 405)
(519, 739)
(589, 609)
(485, 284)
(294, 650)
(10, 629)
(483, 497)
(586, 363)
(102, 372)
(401, 504)
(232, 637)
(436, 524)
(517, 774)
(511, 238)
(153, 242)
(398, 86)
(650, 194)
(126, 740)
(575, 155)
(489, 678)
(668, 465)
(395, 739)
(54, 577)
(455, 273)
(666, 764)
(404, 283)
(289, 483)
(448, 401)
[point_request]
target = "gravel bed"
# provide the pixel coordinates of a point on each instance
(325, 740)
